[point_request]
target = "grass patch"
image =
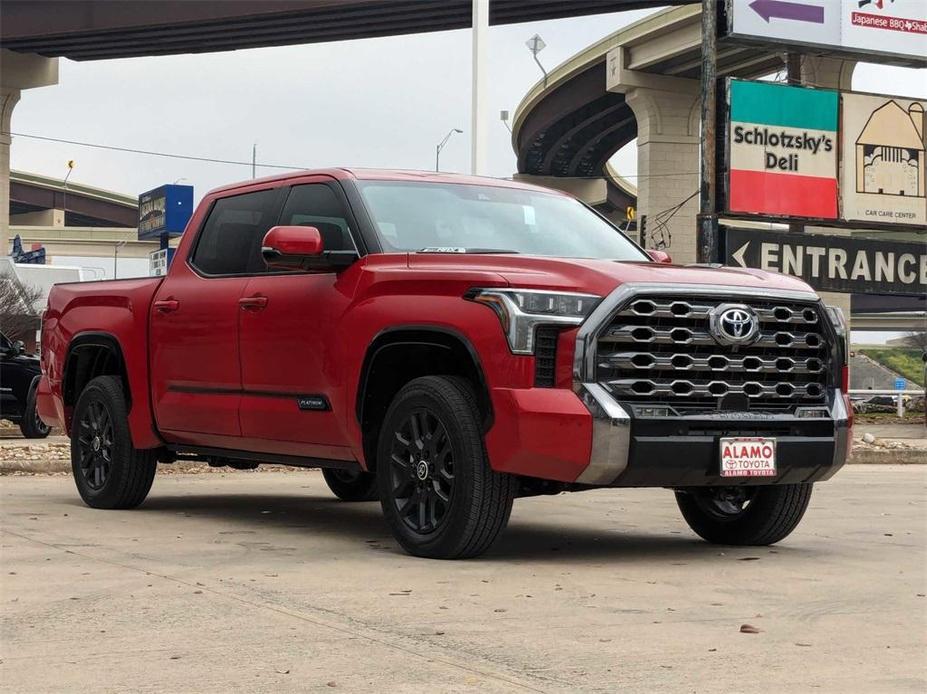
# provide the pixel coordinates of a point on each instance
(901, 360)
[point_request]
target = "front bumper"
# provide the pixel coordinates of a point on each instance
(683, 450)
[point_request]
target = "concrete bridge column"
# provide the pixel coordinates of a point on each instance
(667, 166)
(667, 113)
(8, 100)
(18, 71)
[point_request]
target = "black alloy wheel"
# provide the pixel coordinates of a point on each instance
(439, 494)
(95, 442)
(31, 425)
(109, 471)
(351, 485)
(747, 515)
(724, 503)
(421, 472)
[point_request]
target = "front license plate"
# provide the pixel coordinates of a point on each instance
(748, 457)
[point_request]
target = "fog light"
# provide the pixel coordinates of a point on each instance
(811, 412)
(652, 411)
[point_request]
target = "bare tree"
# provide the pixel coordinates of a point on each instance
(917, 339)
(19, 318)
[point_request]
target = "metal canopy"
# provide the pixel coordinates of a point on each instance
(101, 29)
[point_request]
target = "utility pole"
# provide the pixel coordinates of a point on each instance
(254, 160)
(708, 236)
(793, 77)
(478, 149)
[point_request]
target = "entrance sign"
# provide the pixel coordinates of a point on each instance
(782, 145)
(895, 29)
(832, 263)
(884, 159)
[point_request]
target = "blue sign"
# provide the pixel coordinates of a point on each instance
(164, 211)
(900, 383)
(34, 257)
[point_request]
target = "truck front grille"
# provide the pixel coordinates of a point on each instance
(659, 349)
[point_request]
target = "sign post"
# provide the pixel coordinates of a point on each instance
(707, 236)
(900, 384)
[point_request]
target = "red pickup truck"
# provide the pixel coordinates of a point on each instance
(446, 344)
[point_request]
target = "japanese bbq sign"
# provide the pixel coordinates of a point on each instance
(894, 30)
(782, 148)
(832, 263)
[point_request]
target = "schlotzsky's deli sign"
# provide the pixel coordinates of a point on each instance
(782, 155)
(840, 159)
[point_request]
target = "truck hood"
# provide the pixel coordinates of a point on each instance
(600, 277)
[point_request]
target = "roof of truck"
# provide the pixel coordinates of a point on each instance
(384, 175)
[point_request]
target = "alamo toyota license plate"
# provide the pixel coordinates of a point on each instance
(748, 457)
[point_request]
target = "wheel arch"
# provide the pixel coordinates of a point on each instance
(399, 354)
(90, 355)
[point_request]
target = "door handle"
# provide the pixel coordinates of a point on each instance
(252, 303)
(166, 305)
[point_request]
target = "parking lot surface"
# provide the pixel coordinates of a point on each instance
(263, 582)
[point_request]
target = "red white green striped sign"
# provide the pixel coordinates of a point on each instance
(782, 150)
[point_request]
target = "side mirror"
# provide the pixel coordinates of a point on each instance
(661, 257)
(301, 248)
(18, 347)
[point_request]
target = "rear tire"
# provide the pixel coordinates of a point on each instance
(744, 515)
(109, 471)
(351, 485)
(440, 497)
(31, 425)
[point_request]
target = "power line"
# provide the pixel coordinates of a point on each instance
(212, 160)
(170, 155)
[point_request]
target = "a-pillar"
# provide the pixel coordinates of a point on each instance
(667, 112)
(18, 71)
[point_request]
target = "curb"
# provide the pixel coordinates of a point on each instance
(895, 456)
(890, 456)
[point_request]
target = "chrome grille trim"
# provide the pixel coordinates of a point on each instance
(681, 335)
(665, 354)
(717, 363)
(678, 308)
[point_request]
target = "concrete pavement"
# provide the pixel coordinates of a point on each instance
(263, 582)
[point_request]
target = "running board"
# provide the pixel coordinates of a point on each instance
(205, 452)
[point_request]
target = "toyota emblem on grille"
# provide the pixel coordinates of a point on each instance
(734, 324)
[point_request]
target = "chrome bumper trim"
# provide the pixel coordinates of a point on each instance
(842, 433)
(611, 436)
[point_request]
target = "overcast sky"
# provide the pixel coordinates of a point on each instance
(375, 102)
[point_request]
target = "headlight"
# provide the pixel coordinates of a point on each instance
(837, 319)
(521, 310)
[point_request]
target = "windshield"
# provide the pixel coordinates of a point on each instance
(453, 217)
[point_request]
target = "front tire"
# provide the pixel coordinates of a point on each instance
(744, 515)
(351, 485)
(31, 425)
(440, 497)
(109, 471)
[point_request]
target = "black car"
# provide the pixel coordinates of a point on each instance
(19, 378)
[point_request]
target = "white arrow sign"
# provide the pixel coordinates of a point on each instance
(738, 255)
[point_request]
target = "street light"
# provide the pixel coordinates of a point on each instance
(441, 146)
(536, 45)
(504, 117)
(64, 200)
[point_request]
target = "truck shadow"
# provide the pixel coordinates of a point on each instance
(362, 524)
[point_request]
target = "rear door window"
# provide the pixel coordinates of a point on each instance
(230, 241)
